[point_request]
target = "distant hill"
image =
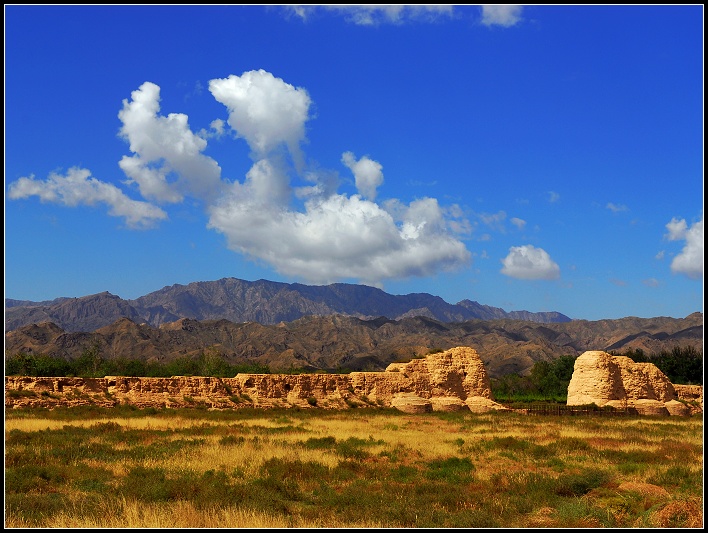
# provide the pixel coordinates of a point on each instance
(338, 326)
(344, 342)
(262, 301)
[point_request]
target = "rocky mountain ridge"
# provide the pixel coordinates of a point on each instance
(337, 342)
(262, 301)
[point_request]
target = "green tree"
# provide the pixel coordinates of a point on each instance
(89, 363)
(551, 379)
(36, 364)
(681, 365)
(123, 366)
(212, 363)
(510, 387)
(547, 381)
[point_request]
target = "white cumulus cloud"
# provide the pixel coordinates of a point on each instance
(266, 111)
(529, 262)
(216, 129)
(677, 229)
(309, 231)
(164, 146)
(333, 236)
(501, 15)
(367, 174)
(340, 237)
(690, 261)
(79, 188)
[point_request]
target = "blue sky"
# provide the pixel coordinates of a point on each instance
(539, 158)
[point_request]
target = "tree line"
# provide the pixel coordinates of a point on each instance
(548, 380)
(90, 364)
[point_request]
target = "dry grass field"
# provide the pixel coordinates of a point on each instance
(130, 468)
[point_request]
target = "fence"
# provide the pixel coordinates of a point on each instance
(557, 409)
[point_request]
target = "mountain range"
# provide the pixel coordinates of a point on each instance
(262, 301)
(312, 328)
(336, 342)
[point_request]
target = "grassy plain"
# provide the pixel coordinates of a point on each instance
(124, 467)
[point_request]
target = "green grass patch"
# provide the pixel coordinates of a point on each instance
(451, 470)
(581, 483)
(500, 470)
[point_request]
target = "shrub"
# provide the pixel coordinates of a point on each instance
(146, 484)
(320, 443)
(580, 484)
(232, 440)
(451, 470)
